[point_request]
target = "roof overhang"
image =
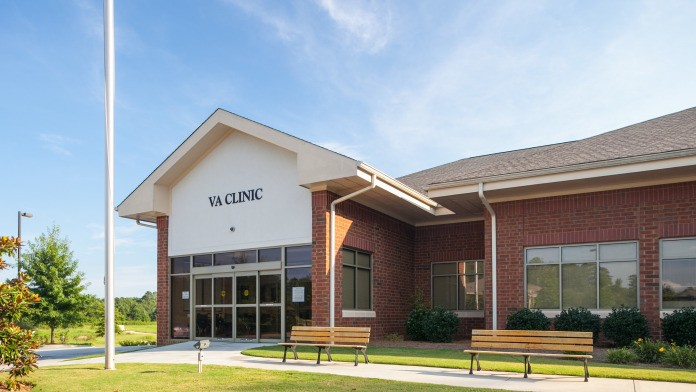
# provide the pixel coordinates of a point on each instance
(673, 167)
(318, 168)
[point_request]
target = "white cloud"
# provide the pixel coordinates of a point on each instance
(368, 23)
(57, 144)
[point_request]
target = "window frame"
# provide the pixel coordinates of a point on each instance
(664, 311)
(355, 281)
(597, 309)
(473, 312)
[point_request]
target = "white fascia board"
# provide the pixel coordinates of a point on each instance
(497, 183)
(384, 183)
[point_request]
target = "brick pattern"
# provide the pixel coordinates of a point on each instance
(450, 242)
(163, 280)
(645, 214)
(391, 244)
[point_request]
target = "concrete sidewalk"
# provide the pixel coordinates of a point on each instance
(229, 354)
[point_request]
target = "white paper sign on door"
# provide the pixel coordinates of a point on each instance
(298, 294)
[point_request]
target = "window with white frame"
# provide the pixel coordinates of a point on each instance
(678, 258)
(458, 285)
(593, 276)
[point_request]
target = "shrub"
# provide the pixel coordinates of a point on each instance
(680, 326)
(416, 324)
(648, 350)
(621, 355)
(527, 319)
(441, 325)
(578, 319)
(141, 342)
(624, 326)
(680, 356)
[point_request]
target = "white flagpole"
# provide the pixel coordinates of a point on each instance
(109, 84)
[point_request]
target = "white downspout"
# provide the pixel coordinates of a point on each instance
(494, 258)
(332, 245)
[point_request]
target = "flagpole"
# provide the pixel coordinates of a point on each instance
(109, 85)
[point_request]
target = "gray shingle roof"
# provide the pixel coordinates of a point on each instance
(673, 132)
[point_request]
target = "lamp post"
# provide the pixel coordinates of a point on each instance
(20, 214)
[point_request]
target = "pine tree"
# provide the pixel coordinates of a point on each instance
(55, 278)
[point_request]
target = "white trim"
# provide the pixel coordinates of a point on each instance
(358, 313)
(553, 313)
(556, 175)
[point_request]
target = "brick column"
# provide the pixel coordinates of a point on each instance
(163, 280)
(321, 204)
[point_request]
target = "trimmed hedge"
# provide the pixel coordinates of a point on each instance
(680, 326)
(623, 326)
(527, 319)
(578, 319)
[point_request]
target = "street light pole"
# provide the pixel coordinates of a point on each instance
(20, 214)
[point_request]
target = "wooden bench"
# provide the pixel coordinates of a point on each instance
(530, 341)
(324, 338)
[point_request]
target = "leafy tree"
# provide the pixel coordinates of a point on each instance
(16, 345)
(50, 264)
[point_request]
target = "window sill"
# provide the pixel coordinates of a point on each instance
(554, 313)
(469, 313)
(359, 313)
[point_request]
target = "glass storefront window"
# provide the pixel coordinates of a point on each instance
(180, 307)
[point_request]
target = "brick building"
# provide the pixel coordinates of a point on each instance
(245, 231)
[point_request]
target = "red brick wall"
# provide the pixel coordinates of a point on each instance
(163, 280)
(451, 242)
(390, 242)
(644, 214)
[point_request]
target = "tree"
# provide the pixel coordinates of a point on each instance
(55, 278)
(16, 345)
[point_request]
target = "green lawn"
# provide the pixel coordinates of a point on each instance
(173, 378)
(456, 359)
(86, 334)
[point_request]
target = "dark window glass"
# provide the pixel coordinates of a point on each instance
(231, 258)
(270, 289)
(223, 322)
(357, 280)
(203, 291)
(181, 265)
(246, 323)
(270, 322)
(180, 301)
(204, 322)
(246, 290)
(272, 254)
(298, 255)
(298, 298)
(202, 260)
(223, 291)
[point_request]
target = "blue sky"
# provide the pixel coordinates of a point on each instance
(402, 85)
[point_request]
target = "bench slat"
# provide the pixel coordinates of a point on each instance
(577, 356)
(513, 332)
(321, 333)
(327, 339)
(534, 339)
(337, 329)
(533, 346)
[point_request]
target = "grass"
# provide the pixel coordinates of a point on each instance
(456, 359)
(173, 378)
(86, 334)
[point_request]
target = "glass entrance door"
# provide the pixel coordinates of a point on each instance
(242, 306)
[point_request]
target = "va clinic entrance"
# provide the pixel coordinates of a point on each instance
(254, 295)
(244, 306)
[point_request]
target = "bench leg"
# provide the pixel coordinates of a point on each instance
(294, 351)
(356, 357)
(327, 350)
(478, 364)
(471, 365)
(285, 353)
(318, 355)
(526, 363)
(529, 365)
(364, 351)
(587, 373)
